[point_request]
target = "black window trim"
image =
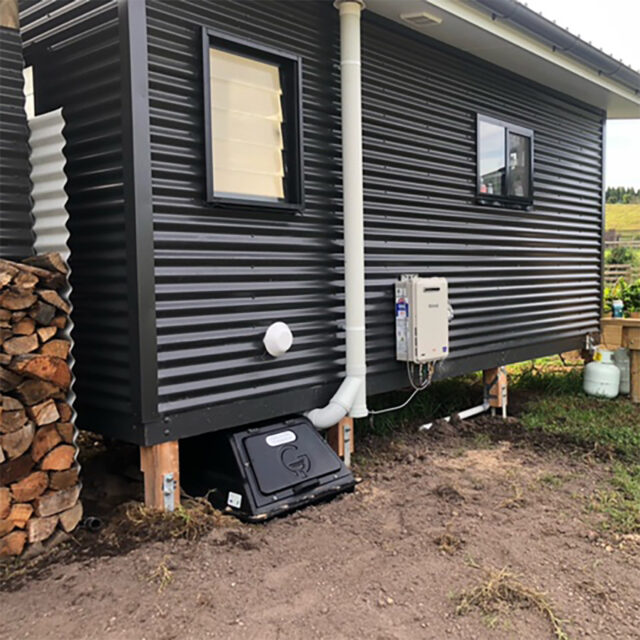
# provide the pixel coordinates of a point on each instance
(506, 200)
(291, 81)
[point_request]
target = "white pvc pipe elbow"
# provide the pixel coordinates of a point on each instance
(339, 405)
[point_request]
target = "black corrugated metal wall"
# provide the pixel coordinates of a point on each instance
(16, 235)
(522, 283)
(223, 277)
(77, 66)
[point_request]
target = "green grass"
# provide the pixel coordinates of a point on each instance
(438, 400)
(550, 381)
(624, 218)
(609, 428)
(621, 504)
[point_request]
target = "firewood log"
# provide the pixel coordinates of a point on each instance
(49, 368)
(24, 327)
(53, 298)
(17, 299)
(59, 480)
(16, 443)
(46, 438)
(69, 519)
(44, 413)
(11, 421)
(46, 333)
(35, 391)
(13, 544)
(30, 487)
(25, 280)
(19, 514)
(59, 459)
(67, 431)
(20, 345)
(42, 313)
(15, 470)
(49, 261)
(39, 529)
(52, 502)
(5, 502)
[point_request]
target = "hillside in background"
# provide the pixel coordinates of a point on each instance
(624, 218)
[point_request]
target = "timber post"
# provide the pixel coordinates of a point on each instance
(160, 464)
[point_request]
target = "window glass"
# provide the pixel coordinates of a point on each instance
(491, 154)
(518, 183)
(246, 127)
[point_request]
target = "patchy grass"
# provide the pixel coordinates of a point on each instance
(449, 542)
(621, 504)
(194, 518)
(162, 575)
(608, 428)
(552, 480)
(500, 592)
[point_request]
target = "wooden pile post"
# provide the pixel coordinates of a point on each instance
(39, 485)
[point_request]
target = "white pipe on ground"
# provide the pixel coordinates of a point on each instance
(467, 413)
(351, 397)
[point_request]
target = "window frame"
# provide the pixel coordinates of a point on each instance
(492, 198)
(290, 66)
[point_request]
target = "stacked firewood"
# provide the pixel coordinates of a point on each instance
(39, 486)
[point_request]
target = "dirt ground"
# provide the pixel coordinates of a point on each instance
(433, 514)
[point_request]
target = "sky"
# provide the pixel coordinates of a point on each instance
(612, 26)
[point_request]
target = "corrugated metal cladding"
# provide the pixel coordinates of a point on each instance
(77, 67)
(16, 236)
(223, 277)
(522, 283)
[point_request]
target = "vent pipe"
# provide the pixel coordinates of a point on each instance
(351, 397)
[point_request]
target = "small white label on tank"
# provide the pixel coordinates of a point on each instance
(276, 439)
(234, 500)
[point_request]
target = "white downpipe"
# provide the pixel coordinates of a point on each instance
(338, 406)
(351, 397)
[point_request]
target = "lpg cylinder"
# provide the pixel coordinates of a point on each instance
(622, 361)
(602, 376)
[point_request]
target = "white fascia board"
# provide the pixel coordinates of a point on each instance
(516, 37)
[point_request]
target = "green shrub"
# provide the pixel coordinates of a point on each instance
(620, 255)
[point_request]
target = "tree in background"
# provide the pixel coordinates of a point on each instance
(623, 195)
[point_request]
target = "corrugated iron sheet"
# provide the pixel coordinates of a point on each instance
(16, 237)
(48, 177)
(80, 71)
(49, 202)
(522, 283)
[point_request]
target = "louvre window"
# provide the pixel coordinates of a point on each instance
(253, 125)
(505, 162)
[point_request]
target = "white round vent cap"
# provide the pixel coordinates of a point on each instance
(278, 339)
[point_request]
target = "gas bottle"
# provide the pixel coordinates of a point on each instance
(602, 376)
(622, 361)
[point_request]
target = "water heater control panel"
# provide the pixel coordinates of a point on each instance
(422, 319)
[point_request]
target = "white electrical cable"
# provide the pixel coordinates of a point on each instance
(416, 390)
